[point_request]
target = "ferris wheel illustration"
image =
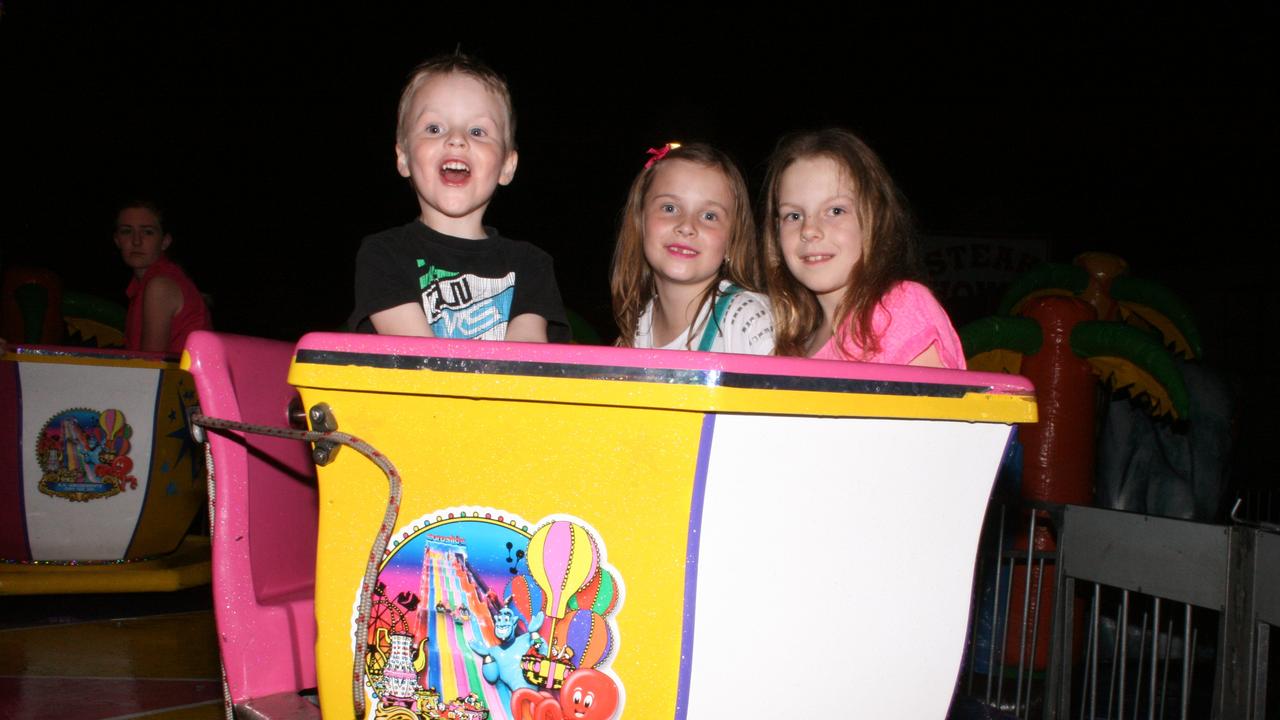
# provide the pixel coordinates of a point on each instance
(385, 619)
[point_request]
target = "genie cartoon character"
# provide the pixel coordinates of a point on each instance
(502, 661)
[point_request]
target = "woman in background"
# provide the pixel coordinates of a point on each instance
(164, 305)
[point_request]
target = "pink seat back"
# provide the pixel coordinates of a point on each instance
(264, 517)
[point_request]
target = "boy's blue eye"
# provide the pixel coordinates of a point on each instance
(477, 132)
(433, 129)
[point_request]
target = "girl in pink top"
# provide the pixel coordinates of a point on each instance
(164, 305)
(839, 251)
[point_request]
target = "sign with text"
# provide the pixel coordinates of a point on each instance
(970, 274)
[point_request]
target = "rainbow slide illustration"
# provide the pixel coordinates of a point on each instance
(454, 669)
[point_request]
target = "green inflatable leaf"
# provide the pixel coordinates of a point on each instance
(1156, 305)
(1001, 333)
(1044, 279)
(33, 302)
(1130, 358)
(77, 304)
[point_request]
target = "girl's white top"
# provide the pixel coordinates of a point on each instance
(747, 326)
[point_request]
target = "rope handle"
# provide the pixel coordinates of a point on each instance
(379, 543)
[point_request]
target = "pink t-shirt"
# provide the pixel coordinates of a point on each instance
(908, 320)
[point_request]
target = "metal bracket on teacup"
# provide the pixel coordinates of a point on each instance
(196, 430)
(322, 420)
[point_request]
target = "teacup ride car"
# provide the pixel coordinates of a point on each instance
(99, 479)
(598, 532)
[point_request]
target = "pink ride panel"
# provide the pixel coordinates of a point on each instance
(265, 512)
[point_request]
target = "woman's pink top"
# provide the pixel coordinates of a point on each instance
(907, 321)
(194, 315)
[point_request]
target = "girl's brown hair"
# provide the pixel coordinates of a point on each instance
(888, 253)
(631, 280)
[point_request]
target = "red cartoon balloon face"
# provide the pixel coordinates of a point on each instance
(588, 694)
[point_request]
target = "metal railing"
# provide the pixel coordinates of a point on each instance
(1173, 574)
(1087, 613)
(1010, 593)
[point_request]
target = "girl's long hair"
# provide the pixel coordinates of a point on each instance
(888, 253)
(631, 279)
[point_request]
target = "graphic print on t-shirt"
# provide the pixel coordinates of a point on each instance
(462, 305)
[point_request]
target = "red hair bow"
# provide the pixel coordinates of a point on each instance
(659, 153)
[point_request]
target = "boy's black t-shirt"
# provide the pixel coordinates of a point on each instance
(467, 288)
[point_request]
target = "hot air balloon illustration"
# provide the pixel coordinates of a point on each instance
(115, 436)
(525, 596)
(600, 595)
(562, 559)
(583, 639)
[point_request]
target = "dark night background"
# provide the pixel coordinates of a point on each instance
(1146, 131)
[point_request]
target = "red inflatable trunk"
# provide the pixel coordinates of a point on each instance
(1058, 455)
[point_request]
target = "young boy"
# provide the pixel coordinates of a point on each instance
(445, 274)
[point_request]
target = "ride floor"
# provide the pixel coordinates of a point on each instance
(100, 657)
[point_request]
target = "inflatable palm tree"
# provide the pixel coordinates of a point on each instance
(1067, 328)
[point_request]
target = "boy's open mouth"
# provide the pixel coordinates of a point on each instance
(455, 172)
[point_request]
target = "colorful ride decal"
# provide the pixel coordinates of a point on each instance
(85, 455)
(477, 611)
